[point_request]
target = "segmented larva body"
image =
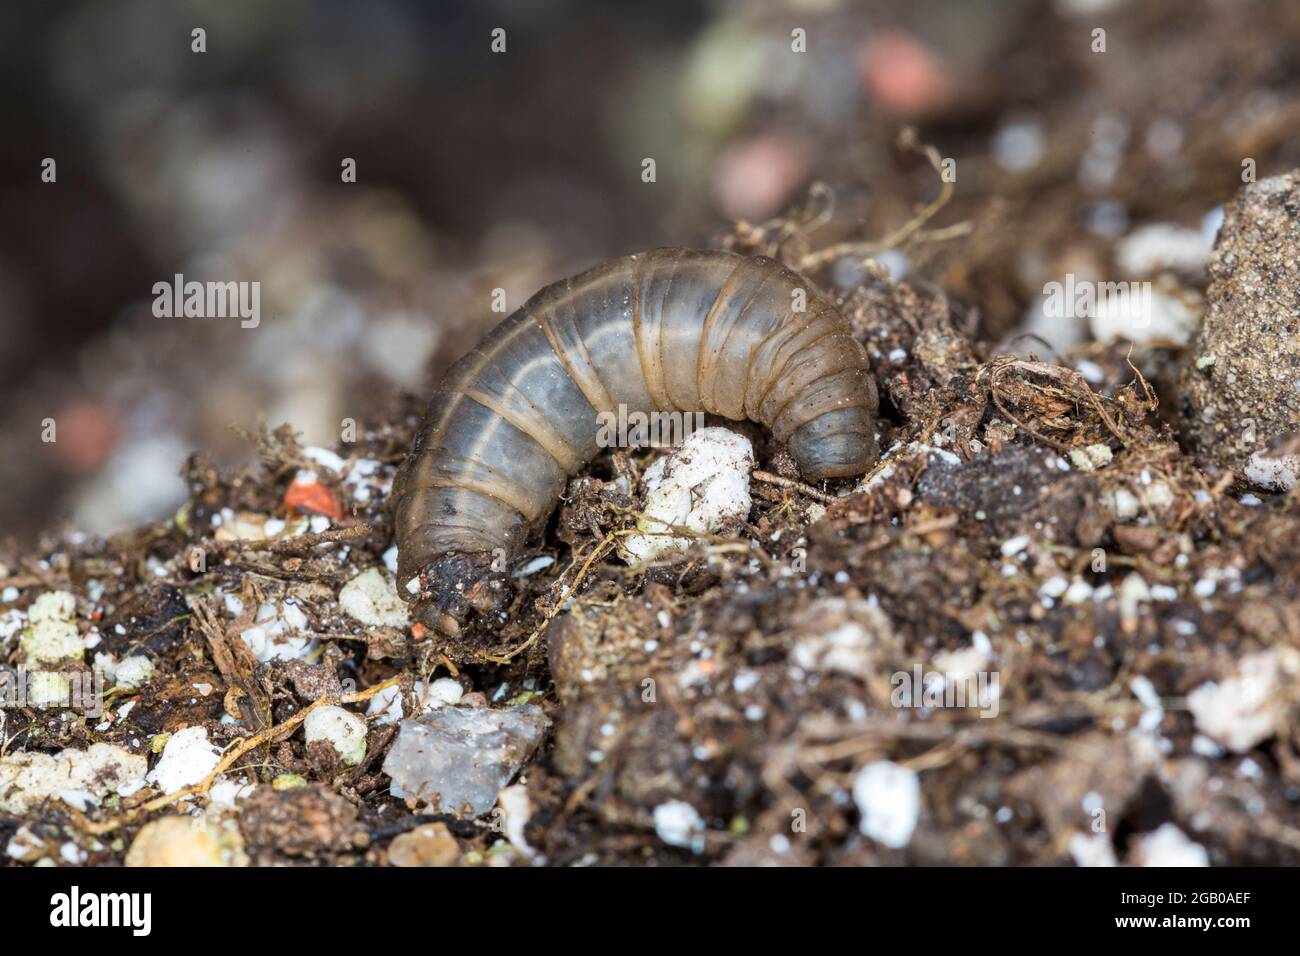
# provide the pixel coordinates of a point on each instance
(671, 330)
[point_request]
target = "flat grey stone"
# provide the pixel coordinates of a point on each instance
(456, 759)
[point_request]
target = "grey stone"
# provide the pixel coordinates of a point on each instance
(456, 759)
(1241, 378)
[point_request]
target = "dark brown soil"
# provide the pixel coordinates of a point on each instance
(1091, 541)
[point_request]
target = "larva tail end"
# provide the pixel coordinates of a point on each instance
(456, 589)
(839, 444)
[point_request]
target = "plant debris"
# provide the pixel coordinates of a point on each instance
(1058, 622)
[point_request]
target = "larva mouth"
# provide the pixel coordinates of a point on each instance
(444, 623)
(457, 589)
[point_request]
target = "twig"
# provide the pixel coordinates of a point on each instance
(1060, 374)
(771, 237)
(993, 393)
(599, 551)
(910, 230)
(965, 735)
(1278, 832)
(302, 542)
(799, 486)
(232, 753)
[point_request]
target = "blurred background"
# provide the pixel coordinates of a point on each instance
(478, 170)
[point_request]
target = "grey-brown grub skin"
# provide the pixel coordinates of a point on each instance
(670, 330)
(1240, 380)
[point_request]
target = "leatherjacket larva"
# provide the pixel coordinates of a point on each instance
(671, 330)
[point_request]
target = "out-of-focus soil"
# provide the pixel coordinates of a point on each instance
(1055, 514)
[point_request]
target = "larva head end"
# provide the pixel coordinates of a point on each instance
(456, 589)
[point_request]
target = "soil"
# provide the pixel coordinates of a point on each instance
(700, 680)
(1086, 538)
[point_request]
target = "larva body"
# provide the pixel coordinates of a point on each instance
(671, 330)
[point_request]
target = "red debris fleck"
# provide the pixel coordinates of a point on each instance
(314, 497)
(754, 178)
(87, 433)
(902, 75)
